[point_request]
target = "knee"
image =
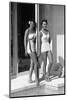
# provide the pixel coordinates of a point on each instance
(50, 61)
(50, 57)
(36, 64)
(45, 62)
(31, 63)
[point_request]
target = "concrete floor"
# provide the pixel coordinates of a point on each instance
(38, 91)
(21, 87)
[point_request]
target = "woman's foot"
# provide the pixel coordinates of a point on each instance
(30, 81)
(48, 79)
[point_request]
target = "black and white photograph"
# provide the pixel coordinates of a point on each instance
(36, 49)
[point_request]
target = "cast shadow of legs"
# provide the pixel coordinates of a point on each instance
(61, 61)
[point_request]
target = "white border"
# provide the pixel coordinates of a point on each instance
(4, 49)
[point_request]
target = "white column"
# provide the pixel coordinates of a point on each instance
(37, 23)
(38, 40)
(36, 13)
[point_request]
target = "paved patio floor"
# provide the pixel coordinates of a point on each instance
(20, 86)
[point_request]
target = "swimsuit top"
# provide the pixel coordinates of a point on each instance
(45, 37)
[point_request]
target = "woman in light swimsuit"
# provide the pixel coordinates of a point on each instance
(29, 43)
(45, 50)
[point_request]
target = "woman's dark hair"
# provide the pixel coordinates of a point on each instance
(34, 24)
(44, 20)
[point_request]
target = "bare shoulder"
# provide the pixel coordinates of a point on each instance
(49, 34)
(26, 31)
(40, 32)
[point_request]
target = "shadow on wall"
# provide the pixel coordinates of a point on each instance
(61, 61)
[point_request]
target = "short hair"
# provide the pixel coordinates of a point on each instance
(32, 20)
(44, 20)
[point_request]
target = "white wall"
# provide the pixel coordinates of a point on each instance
(4, 50)
(55, 16)
(60, 49)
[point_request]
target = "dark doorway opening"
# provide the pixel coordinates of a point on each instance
(25, 12)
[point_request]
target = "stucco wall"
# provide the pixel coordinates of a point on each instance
(55, 16)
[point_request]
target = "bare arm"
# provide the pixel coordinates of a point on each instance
(49, 37)
(25, 39)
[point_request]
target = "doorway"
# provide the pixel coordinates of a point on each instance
(25, 12)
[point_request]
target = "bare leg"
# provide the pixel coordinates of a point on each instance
(44, 58)
(31, 70)
(50, 57)
(36, 69)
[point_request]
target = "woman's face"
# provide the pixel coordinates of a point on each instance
(31, 24)
(44, 25)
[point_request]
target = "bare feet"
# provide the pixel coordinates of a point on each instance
(48, 79)
(30, 81)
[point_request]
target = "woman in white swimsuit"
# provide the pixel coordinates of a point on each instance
(45, 50)
(29, 43)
